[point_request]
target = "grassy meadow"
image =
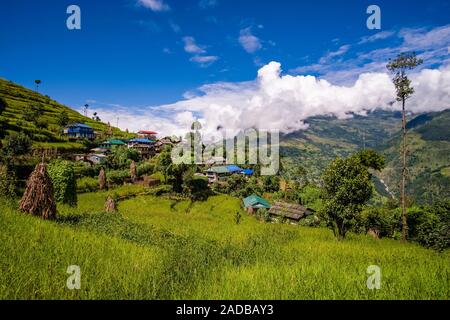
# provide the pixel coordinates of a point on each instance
(157, 248)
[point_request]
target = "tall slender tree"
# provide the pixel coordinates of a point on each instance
(37, 82)
(399, 67)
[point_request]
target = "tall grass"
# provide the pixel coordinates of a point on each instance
(157, 248)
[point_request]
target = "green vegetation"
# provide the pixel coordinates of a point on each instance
(42, 119)
(64, 182)
(157, 248)
(347, 188)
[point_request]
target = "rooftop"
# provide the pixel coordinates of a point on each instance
(256, 202)
(290, 210)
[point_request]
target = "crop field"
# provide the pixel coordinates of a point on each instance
(157, 248)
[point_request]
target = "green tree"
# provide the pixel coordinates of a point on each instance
(347, 187)
(399, 67)
(17, 144)
(163, 161)
(122, 157)
(271, 183)
(63, 119)
(37, 82)
(3, 105)
(64, 182)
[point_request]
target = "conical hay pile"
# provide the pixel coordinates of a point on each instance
(38, 198)
(102, 179)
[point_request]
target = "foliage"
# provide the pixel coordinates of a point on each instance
(118, 177)
(7, 182)
(371, 159)
(347, 187)
(398, 67)
(64, 182)
(235, 185)
(195, 187)
(87, 184)
(430, 225)
(63, 119)
(3, 105)
(163, 161)
(380, 219)
(17, 144)
(122, 157)
(145, 168)
(271, 183)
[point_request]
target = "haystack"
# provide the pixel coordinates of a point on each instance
(38, 198)
(102, 179)
(133, 171)
(110, 205)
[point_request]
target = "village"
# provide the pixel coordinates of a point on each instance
(216, 171)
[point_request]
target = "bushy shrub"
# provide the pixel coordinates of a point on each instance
(85, 170)
(195, 187)
(145, 168)
(271, 183)
(17, 144)
(430, 226)
(310, 221)
(122, 157)
(7, 182)
(379, 219)
(64, 182)
(117, 177)
(87, 184)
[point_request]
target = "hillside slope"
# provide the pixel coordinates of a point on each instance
(428, 157)
(429, 146)
(37, 115)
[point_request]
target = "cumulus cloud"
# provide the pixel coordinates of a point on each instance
(284, 102)
(248, 41)
(154, 5)
(191, 46)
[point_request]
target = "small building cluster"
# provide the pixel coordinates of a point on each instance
(220, 173)
(146, 143)
(291, 212)
(78, 131)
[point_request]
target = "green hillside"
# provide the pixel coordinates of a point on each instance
(37, 116)
(157, 248)
(429, 144)
(428, 159)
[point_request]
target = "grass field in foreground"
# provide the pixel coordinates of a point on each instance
(164, 249)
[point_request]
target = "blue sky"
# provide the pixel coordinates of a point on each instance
(132, 54)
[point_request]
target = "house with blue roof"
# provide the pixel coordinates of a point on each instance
(79, 131)
(145, 146)
(255, 202)
(218, 173)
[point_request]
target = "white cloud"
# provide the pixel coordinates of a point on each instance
(191, 46)
(284, 102)
(204, 60)
(204, 4)
(377, 36)
(248, 41)
(199, 53)
(154, 5)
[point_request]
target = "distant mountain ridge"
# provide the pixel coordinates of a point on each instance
(429, 146)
